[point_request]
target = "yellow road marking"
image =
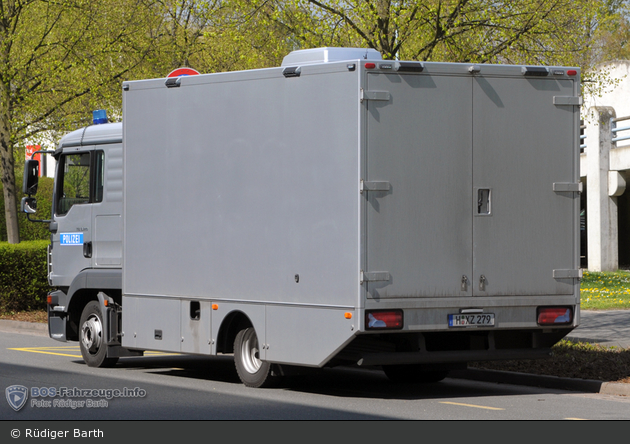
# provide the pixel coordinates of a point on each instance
(74, 348)
(471, 405)
(47, 350)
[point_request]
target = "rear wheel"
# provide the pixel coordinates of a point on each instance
(91, 340)
(252, 371)
(413, 373)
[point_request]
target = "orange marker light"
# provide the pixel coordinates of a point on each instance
(215, 306)
(348, 315)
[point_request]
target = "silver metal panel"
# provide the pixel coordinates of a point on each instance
(316, 333)
(236, 184)
(522, 145)
(93, 135)
(114, 174)
(420, 142)
(108, 240)
(107, 214)
(196, 333)
(148, 317)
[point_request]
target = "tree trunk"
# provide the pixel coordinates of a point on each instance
(7, 163)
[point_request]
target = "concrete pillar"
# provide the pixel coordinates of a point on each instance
(601, 208)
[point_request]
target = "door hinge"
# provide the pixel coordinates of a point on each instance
(374, 185)
(567, 274)
(173, 82)
(375, 276)
(374, 95)
(567, 187)
(567, 100)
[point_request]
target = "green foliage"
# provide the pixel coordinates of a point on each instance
(606, 290)
(477, 31)
(23, 276)
(31, 230)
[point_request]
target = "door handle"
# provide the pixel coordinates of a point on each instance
(483, 201)
(482, 283)
(464, 283)
(87, 249)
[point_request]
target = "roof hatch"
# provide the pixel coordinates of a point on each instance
(326, 55)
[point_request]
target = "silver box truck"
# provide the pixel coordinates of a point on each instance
(338, 210)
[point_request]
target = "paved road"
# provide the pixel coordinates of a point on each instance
(177, 387)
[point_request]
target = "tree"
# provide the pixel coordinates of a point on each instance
(213, 36)
(58, 60)
(477, 31)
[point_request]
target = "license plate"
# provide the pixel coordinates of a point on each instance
(471, 320)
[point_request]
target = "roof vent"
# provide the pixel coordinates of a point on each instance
(327, 55)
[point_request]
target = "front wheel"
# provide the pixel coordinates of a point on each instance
(91, 341)
(252, 371)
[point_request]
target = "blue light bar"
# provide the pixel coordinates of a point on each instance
(99, 116)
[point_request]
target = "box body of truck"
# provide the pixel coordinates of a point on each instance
(345, 209)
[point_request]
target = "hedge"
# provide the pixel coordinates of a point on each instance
(23, 276)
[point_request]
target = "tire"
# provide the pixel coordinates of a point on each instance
(413, 373)
(251, 370)
(91, 340)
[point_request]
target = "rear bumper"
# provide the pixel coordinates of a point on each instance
(451, 347)
(447, 357)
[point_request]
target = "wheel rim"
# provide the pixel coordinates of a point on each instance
(91, 334)
(250, 352)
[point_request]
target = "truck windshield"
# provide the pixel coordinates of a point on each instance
(80, 180)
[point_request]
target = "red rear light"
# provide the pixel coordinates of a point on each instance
(370, 65)
(384, 320)
(554, 315)
(49, 300)
(572, 72)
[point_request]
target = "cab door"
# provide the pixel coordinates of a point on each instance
(75, 192)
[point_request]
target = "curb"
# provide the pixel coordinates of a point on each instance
(28, 328)
(543, 381)
(615, 388)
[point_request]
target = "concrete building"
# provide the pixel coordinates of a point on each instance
(605, 170)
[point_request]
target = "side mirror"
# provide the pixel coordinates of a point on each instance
(29, 205)
(31, 177)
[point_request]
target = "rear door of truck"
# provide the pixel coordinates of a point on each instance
(419, 141)
(524, 155)
(481, 178)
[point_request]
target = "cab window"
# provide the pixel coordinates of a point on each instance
(81, 180)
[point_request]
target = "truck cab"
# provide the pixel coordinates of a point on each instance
(85, 252)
